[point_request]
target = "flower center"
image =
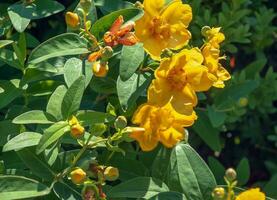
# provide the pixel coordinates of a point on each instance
(161, 120)
(159, 28)
(177, 78)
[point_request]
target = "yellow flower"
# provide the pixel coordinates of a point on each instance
(211, 53)
(177, 79)
(161, 124)
(251, 194)
(164, 25)
(78, 176)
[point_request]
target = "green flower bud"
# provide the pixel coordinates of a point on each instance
(98, 129)
(231, 174)
(107, 52)
(243, 101)
(218, 193)
(204, 30)
(120, 122)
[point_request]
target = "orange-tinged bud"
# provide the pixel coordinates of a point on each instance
(77, 130)
(111, 173)
(117, 24)
(72, 19)
(129, 39)
(78, 176)
(100, 69)
(94, 56)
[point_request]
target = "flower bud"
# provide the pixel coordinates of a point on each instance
(243, 101)
(231, 174)
(98, 129)
(107, 52)
(77, 130)
(73, 120)
(100, 69)
(204, 30)
(111, 173)
(86, 5)
(218, 193)
(72, 19)
(120, 122)
(78, 176)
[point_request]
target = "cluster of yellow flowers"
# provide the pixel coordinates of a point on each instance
(172, 94)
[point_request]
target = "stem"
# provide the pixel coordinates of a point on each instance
(79, 155)
(92, 37)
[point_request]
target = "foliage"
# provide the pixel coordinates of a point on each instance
(52, 99)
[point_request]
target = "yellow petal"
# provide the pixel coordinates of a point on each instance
(251, 194)
(171, 136)
(153, 7)
(147, 140)
(159, 92)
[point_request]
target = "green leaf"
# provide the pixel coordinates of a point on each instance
(169, 196)
(34, 117)
(103, 85)
(45, 8)
(129, 91)
(5, 43)
(19, 187)
(102, 25)
(22, 140)
(243, 171)
(72, 70)
(61, 45)
(20, 15)
(230, 95)
(51, 135)
(11, 92)
(131, 58)
(10, 58)
(270, 187)
(107, 6)
(36, 164)
(54, 105)
(89, 117)
(216, 118)
(217, 168)
(254, 68)
(189, 174)
(66, 192)
(161, 163)
(73, 96)
(209, 134)
(141, 187)
(8, 130)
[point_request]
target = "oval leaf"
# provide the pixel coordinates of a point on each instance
(18, 187)
(34, 117)
(131, 58)
(169, 196)
(129, 91)
(61, 45)
(73, 96)
(141, 187)
(189, 174)
(243, 171)
(72, 70)
(51, 135)
(22, 140)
